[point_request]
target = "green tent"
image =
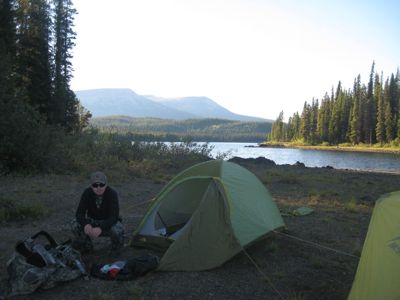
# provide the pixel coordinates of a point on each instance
(378, 272)
(207, 214)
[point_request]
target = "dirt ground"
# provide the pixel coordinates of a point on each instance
(314, 258)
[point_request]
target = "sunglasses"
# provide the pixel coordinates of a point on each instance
(96, 185)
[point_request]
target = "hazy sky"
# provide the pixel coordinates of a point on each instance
(254, 57)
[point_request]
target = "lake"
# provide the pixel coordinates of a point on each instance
(380, 162)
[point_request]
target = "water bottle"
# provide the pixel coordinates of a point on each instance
(116, 267)
(104, 269)
(162, 231)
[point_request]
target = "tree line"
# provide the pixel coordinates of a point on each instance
(366, 114)
(209, 129)
(36, 41)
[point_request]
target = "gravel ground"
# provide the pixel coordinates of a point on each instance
(300, 263)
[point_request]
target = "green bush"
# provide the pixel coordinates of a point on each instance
(120, 153)
(12, 211)
(351, 205)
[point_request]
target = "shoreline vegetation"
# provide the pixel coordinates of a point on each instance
(344, 147)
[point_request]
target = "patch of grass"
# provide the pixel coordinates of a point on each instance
(101, 296)
(279, 176)
(135, 291)
(271, 247)
(314, 198)
(316, 263)
(296, 296)
(351, 206)
(12, 211)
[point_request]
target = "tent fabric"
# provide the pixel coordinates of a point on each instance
(206, 215)
(208, 242)
(378, 272)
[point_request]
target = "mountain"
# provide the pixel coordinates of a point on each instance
(109, 102)
(203, 107)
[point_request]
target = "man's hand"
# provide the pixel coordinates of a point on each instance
(91, 231)
(96, 231)
(88, 229)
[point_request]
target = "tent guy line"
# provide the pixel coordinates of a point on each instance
(316, 245)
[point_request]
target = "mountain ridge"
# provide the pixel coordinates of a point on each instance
(124, 101)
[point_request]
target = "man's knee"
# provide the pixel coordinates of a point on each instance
(75, 226)
(118, 229)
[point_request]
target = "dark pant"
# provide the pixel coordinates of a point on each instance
(116, 233)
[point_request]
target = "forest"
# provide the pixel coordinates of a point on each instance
(365, 114)
(39, 109)
(207, 130)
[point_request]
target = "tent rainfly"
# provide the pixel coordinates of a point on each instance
(206, 215)
(378, 272)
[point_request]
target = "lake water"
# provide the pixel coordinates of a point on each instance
(381, 162)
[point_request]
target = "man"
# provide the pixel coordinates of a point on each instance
(98, 215)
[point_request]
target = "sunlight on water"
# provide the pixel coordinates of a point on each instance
(383, 162)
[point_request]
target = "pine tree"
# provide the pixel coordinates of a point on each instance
(278, 129)
(388, 118)
(394, 101)
(356, 122)
(7, 49)
(370, 110)
(33, 69)
(380, 111)
(64, 102)
(323, 119)
(305, 126)
(294, 125)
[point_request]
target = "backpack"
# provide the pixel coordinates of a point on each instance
(129, 269)
(35, 264)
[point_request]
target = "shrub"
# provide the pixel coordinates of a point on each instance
(119, 153)
(351, 205)
(101, 296)
(12, 211)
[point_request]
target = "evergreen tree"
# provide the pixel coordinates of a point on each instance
(398, 103)
(324, 119)
(33, 69)
(337, 116)
(64, 102)
(305, 126)
(294, 126)
(278, 129)
(345, 120)
(7, 49)
(380, 111)
(355, 123)
(314, 122)
(388, 118)
(394, 101)
(370, 111)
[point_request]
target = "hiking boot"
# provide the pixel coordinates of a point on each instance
(88, 248)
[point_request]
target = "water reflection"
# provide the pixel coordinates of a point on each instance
(383, 162)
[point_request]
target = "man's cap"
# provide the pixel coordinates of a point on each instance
(99, 177)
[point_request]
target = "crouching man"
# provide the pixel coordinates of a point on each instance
(98, 215)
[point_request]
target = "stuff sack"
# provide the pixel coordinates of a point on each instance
(42, 265)
(126, 269)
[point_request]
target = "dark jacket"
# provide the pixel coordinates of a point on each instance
(105, 216)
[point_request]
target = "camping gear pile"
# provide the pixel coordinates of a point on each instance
(40, 261)
(126, 269)
(206, 215)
